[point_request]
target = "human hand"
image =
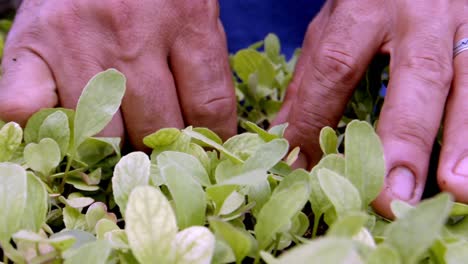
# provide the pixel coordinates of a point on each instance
(419, 37)
(173, 53)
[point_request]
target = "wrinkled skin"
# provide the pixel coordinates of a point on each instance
(425, 81)
(174, 55)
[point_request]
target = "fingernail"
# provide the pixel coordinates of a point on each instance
(402, 182)
(462, 167)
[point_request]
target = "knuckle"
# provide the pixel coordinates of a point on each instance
(430, 66)
(413, 131)
(334, 67)
(310, 119)
(202, 9)
(214, 109)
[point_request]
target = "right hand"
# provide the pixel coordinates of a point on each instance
(173, 53)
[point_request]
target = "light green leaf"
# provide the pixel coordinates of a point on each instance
(324, 250)
(188, 195)
(239, 240)
(293, 156)
(410, 234)
(384, 254)
(96, 252)
(318, 199)
(278, 130)
(266, 136)
(195, 245)
(348, 225)
(180, 144)
(29, 236)
(457, 253)
(259, 194)
(231, 203)
(81, 185)
(247, 62)
(127, 258)
(13, 198)
(279, 211)
(299, 224)
(37, 204)
(268, 258)
(243, 145)
(98, 103)
(43, 157)
(340, 191)
(62, 243)
(400, 208)
(118, 239)
(249, 178)
(226, 170)
(365, 166)
(93, 150)
(11, 136)
(328, 141)
(156, 179)
(185, 162)
(73, 219)
(95, 213)
(31, 131)
(77, 202)
(460, 228)
(208, 134)
(459, 209)
(297, 176)
(218, 194)
(223, 252)
(162, 137)
(103, 226)
(81, 238)
(212, 144)
(267, 155)
(272, 47)
(199, 153)
(150, 225)
(56, 127)
(132, 170)
(365, 237)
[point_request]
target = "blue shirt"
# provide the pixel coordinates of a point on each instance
(248, 21)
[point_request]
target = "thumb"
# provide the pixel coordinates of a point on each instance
(26, 85)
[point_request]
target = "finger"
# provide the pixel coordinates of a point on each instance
(150, 102)
(421, 72)
(337, 63)
(26, 86)
(453, 165)
(199, 61)
(313, 33)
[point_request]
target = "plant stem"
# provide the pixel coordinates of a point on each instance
(65, 176)
(278, 240)
(5, 258)
(257, 259)
(316, 224)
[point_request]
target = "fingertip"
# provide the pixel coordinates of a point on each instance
(405, 177)
(382, 205)
(453, 176)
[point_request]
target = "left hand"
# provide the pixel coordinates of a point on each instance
(419, 36)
